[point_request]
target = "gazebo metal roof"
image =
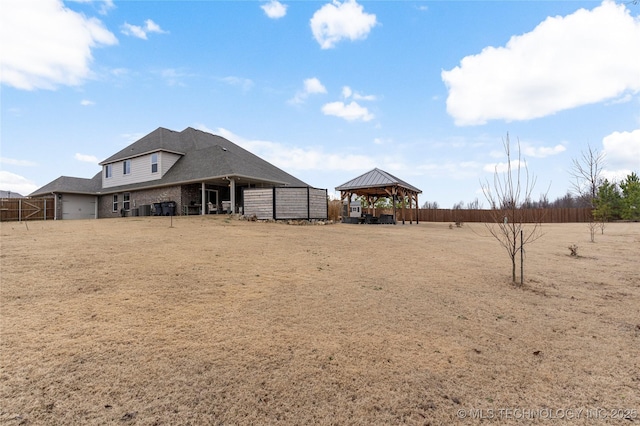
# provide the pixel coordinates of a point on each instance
(374, 181)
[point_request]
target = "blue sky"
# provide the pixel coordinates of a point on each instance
(426, 90)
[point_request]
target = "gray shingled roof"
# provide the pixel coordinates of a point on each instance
(72, 185)
(204, 156)
(375, 178)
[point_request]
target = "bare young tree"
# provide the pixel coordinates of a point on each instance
(433, 205)
(512, 225)
(586, 172)
(474, 205)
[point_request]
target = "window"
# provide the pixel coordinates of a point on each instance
(126, 167)
(126, 201)
(115, 202)
(108, 171)
(154, 163)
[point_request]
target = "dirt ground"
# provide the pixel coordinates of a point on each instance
(221, 321)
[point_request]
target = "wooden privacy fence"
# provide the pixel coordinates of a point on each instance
(19, 209)
(286, 203)
(556, 215)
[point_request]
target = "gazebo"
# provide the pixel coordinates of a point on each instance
(376, 184)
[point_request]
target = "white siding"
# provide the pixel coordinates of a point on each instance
(167, 160)
(140, 170)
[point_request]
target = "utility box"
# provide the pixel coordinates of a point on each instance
(355, 209)
(144, 210)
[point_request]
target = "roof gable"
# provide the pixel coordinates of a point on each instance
(160, 139)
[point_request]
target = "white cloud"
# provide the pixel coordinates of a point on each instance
(86, 158)
(274, 9)
(347, 92)
(381, 141)
(45, 44)
(295, 158)
(86, 102)
(360, 97)
(312, 86)
(336, 21)
(133, 30)
(549, 69)
(244, 83)
(450, 169)
(141, 32)
(105, 5)
(174, 77)
(350, 112)
(152, 27)
(503, 167)
(541, 151)
(16, 183)
(622, 151)
(130, 138)
(14, 162)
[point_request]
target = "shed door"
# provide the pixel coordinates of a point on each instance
(78, 206)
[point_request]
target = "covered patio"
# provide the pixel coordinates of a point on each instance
(376, 184)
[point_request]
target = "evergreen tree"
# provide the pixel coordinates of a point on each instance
(631, 197)
(608, 202)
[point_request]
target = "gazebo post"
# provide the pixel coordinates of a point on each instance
(417, 210)
(393, 198)
(402, 194)
(410, 209)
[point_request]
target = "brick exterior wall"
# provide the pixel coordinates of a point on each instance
(138, 198)
(181, 195)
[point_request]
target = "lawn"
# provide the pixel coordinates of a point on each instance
(212, 320)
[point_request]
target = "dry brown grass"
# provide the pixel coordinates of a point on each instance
(217, 321)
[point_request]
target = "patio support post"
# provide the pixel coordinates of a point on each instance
(203, 198)
(232, 186)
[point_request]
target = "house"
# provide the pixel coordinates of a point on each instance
(191, 172)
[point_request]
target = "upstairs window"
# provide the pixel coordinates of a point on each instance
(126, 167)
(108, 171)
(154, 163)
